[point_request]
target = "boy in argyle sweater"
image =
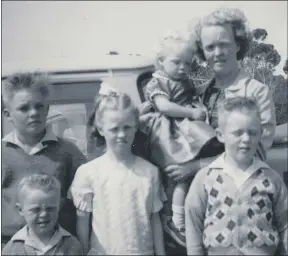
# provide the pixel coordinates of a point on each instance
(237, 204)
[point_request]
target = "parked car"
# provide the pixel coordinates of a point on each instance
(75, 83)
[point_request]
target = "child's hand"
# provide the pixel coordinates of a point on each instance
(198, 114)
(145, 108)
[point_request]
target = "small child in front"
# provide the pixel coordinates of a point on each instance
(238, 204)
(39, 198)
(121, 191)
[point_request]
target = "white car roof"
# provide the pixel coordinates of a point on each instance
(77, 63)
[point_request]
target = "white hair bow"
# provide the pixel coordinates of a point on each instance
(106, 88)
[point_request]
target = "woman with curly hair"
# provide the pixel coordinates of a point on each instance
(222, 38)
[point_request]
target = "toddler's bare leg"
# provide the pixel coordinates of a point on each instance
(178, 201)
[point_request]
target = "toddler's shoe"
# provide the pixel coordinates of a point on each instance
(178, 234)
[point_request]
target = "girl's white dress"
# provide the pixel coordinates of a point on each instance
(121, 201)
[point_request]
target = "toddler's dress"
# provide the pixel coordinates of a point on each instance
(174, 140)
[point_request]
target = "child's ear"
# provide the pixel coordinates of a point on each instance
(19, 208)
(219, 135)
(100, 130)
(7, 114)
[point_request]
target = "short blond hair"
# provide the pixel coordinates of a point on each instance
(43, 182)
(169, 41)
(37, 81)
(240, 104)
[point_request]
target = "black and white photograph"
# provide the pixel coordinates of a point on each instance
(144, 128)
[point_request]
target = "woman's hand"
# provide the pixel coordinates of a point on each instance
(198, 114)
(180, 173)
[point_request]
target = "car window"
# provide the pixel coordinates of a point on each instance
(69, 121)
(65, 120)
(141, 84)
(71, 102)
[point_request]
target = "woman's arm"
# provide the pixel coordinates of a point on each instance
(267, 112)
(157, 233)
(172, 109)
(82, 226)
(182, 172)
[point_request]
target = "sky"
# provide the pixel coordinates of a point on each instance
(45, 29)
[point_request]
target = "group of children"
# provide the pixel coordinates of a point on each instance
(236, 205)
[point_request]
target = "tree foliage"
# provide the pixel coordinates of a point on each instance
(260, 62)
(261, 59)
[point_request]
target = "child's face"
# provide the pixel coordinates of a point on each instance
(118, 128)
(240, 133)
(177, 63)
(40, 211)
(27, 111)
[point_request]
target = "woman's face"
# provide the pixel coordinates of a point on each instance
(220, 48)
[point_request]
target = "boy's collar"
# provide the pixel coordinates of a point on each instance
(23, 235)
(48, 136)
(12, 137)
(219, 163)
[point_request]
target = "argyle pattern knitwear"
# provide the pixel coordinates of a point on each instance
(251, 218)
(230, 210)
